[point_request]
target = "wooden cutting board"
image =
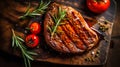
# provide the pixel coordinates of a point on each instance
(9, 19)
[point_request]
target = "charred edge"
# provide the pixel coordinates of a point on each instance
(60, 45)
(77, 33)
(73, 36)
(68, 43)
(87, 34)
(81, 35)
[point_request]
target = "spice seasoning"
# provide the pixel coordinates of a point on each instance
(93, 56)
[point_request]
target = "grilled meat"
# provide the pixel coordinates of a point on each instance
(74, 36)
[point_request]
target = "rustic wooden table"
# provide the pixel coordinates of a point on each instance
(7, 60)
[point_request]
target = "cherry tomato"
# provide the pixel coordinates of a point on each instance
(32, 40)
(98, 6)
(35, 27)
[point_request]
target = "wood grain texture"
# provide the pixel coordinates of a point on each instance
(10, 18)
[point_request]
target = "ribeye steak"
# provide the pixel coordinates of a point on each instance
(74, 36)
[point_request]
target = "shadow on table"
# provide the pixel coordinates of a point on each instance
(7, 60)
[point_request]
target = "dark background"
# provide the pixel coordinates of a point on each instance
(7, 60)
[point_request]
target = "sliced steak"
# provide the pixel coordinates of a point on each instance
(74, 36)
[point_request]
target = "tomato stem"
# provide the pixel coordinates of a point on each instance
(31, 41)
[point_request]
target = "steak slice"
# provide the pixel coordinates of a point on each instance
(74, 36)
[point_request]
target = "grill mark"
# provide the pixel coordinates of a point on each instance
(91, 40)
(91, 36)
(59, 44)
(78, 30)
(87, 34)
(81, 25)
(73, 36)
(68, 43)
(56, 37)
(66, 40)
(78, 33)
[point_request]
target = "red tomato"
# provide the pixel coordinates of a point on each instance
(35, 27)
(98, 6)
(32, 40)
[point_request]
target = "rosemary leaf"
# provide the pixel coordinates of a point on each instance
(62, 23)
(19, 38)
(37, 11)
(13, 40)
(27, 10)
(49, 29)
(29, 65)
(34, 14)
(23, 47)
(27, 55)
(33, 53)
(16, 43)
(57, 18)
(25, 60)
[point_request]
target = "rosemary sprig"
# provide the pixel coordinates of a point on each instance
(57, 18)
(18, 43)
(37, 11)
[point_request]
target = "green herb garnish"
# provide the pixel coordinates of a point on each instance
(17, 42)
(103, 28)
(57, 18)
(37, 11)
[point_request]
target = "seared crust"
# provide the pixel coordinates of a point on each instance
(74, 36)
